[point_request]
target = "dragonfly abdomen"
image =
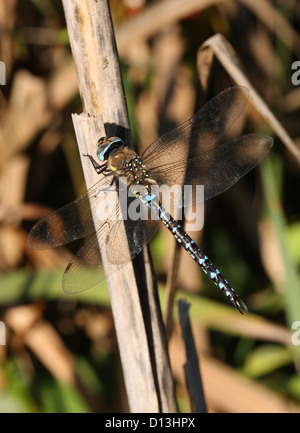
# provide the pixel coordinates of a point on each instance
(195, 252)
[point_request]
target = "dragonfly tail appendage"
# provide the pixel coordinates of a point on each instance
(239, 304)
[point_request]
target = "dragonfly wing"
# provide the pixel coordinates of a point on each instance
(123, 248)
(119, 241)
(199, 133)
(85, 269)
(217, 169)
(232, 161)
(70, 222)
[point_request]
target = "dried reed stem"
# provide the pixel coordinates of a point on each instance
(137, 316)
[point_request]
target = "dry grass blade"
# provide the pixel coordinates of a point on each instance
(32, 104)
(171, 288)
(291, 101)
(157, 17)
(225, 389)
(224, 318)
(47, 345)
(265, 12)
(217, 46)
(7, 21)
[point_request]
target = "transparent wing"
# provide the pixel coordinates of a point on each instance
(199, 133)
(119, 241)
(70, 222)
(73, 221)
(218, 169)
(192, 153)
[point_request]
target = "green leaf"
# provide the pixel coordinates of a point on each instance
(267, 358)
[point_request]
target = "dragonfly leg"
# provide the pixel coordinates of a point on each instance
(98, 168)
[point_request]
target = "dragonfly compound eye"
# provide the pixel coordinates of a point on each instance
(107, 145)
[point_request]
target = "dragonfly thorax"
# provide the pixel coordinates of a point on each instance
(122, 160)
(125, 162)
(107, 146)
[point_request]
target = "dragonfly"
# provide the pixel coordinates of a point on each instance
(192, 153)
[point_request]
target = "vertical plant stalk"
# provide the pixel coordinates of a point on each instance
(136, 311)
(171, 287)
(192, 370)
(217, 47)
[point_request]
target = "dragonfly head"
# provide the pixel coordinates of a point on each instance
(107, 145)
